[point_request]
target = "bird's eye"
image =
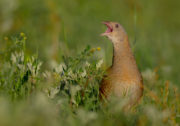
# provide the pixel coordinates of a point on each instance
(116, 25)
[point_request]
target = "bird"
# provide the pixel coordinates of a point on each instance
(123, 78)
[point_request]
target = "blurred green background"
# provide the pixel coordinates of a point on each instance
(64, 27)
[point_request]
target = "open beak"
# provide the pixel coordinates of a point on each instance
(109, 28)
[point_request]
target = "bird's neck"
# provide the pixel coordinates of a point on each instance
(122, 54)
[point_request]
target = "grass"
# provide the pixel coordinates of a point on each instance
(69, 93)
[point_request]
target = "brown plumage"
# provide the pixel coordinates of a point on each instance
(123, 77)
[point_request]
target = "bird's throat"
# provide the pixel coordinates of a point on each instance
(122, 54)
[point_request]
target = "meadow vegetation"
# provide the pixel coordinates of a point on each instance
(69, 93)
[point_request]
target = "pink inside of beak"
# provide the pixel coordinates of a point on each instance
(109, 28)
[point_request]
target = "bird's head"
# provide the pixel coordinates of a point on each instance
(115, 32)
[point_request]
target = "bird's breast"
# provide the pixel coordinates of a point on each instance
(125, 88)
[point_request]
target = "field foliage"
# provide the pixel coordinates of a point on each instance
(69, 93)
